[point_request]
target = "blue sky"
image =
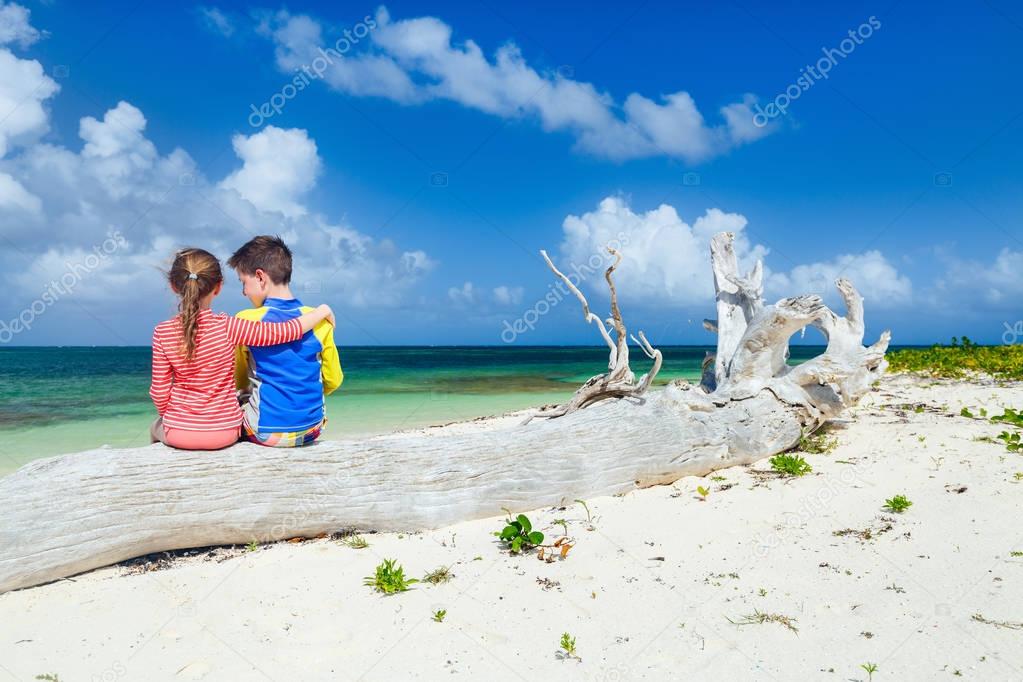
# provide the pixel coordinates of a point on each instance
(418, 178)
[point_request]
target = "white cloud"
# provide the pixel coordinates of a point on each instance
(664, 258)
(870, 272)
(116, 147)
(14, 26)
(666, 261)
(23, 89)
(464, 295)
(506, 295)
(298, 42)
(216, 21)
(279, 167)
(121, 183)
(997, 284)
(416, 60)
(14, 197)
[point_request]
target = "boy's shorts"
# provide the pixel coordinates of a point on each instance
(285, 439)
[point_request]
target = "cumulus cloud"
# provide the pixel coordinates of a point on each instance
(14, 26)
(15, 198)
(505, 295)
(120, 184)
(874, 277)
(24, 87)
(279, 167)
(666, 260)
(416, 60)
(464, 295)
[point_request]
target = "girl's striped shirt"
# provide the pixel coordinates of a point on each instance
(199, 394)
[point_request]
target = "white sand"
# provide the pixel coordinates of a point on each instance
(903, 599)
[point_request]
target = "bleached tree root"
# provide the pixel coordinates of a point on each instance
(619, 381)
(73, 513)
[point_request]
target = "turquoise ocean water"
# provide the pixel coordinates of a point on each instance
(58, 400)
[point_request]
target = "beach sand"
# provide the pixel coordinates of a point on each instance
(649, 592)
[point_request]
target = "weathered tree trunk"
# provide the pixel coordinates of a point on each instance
(73, 513)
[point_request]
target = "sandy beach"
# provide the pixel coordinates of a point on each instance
(660, 585)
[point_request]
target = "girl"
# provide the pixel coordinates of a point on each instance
(193, 357)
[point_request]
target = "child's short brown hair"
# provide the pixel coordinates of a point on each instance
(266, 253)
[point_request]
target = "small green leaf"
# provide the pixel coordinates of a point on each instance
(524, 523)
(516, 544)
(536, 537)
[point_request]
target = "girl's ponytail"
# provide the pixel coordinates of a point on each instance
(194, 275)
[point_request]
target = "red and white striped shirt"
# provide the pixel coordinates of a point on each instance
(198, 394)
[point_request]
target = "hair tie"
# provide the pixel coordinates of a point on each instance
(192, 275)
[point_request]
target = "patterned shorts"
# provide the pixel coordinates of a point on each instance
(285, 439)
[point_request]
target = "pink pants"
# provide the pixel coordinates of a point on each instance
(193, 440)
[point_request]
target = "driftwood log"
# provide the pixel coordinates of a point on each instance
(73, 513)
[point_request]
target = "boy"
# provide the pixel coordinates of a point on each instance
(286, 383)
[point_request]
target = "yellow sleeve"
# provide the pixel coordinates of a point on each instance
(241, 353)
(330, 363)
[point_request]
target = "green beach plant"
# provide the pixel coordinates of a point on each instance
(589, 520)
(1009, 416)
(790, 465)
(439, 575)
(817, 443)
(702, 492)
(355, 542)
(959, 358)
(563, 523)
(568, 646)
(390, 578)
(871, 668)
(897, 504)
(1012, 441)
(518, 534)
(438, 615)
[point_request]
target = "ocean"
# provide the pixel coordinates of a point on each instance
(59, 400)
